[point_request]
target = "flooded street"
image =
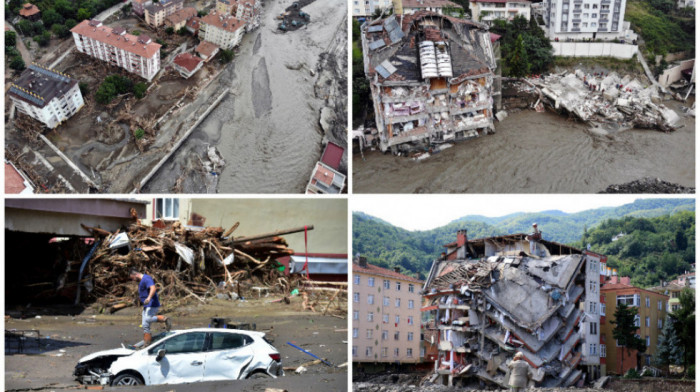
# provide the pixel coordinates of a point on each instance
(267, 129)
(537, 153)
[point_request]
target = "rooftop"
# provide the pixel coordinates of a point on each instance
(500, 1)
(387, 273)
(429, 4)
(140, 45)
(187, 61)
(14, 182)
(206, 48)
(38, 85)
(163, 4)
(29, 9)
(332, 155)
(181, 15)
(222, 21)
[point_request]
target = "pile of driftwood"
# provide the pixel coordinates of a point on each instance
(185, 264)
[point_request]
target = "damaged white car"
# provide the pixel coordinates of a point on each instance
(202, 354)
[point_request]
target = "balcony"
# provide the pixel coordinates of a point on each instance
(576, 29)
(604, 11)
(602, 29)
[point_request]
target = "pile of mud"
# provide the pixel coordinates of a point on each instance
(372, 387)
(648, 185)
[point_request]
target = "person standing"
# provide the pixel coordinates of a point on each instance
(519, 373)
(148, 296)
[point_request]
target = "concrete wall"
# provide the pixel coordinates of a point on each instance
(594, 49)
(672, 75)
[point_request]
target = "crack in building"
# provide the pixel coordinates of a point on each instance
(486, 299)
(432, 78)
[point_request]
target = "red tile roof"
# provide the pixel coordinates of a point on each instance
(622, 286)
(206, 48)
(429, 4)
(323, 175)
(499, 1)
(187, 61)
(127, 42)
(182, 15)
(193, 23)
(14, 183)
(387, 273)
(222, 21)
(332, 155)
(29, 9)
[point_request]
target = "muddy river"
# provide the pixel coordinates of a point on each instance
(537, 153)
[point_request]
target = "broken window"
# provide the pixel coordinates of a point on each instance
(370, 282)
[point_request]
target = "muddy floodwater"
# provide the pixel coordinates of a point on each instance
(537, 153)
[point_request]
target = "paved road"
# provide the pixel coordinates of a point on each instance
(111, 11)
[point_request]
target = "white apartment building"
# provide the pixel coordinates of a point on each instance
(46, 95)
(136, 54)
(409, 7)
(156, 13)
(224, 31)
(578, 19)
(486, 11)
(365, 8)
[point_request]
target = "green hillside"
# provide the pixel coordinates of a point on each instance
(413, 251)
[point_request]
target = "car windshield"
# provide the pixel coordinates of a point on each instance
(156, 338)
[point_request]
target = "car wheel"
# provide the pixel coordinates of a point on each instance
(259, 375)
(127, 379)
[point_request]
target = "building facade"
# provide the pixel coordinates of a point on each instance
(436, 6)
(155, 13)
(579, 19)
(46, 95)
(178, 19)
(651, 316)
(386, 325)
(225, 7)
(366, 8)
(136, 54)
(431, 79)
(487, 11)
(139, 6)
(187, 64)
(224, 31)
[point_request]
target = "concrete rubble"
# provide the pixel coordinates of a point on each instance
(608, 99)
(490, 298)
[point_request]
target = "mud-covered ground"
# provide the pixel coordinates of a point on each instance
(538, 153)
(65, 339)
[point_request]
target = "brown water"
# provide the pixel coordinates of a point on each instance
(537, 153)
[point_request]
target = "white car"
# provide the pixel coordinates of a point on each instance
(202, 354)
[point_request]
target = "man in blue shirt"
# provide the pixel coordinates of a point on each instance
(149, 298)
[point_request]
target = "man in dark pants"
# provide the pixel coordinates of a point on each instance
(149, 298)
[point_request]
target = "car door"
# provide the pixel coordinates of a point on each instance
(228, 357)
(183, 361)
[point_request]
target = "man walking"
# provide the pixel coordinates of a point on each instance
(149, 298)
(519, 374)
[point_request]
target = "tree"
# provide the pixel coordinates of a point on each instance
(65, 8)
(140, 89)
(25, 27)
(17, 63)
(625, 331)
(84, 88)
(517, 61)
(169, 30)
(60, 31)
(122, 85)
(669, 350)
(11, 51)
(51, 17)
(38, 27)
(226, 56)
(70, 23)
(10, 38)
(83, 13)
(105, 93)
(43, 39)
(183, 31)
(684, 325)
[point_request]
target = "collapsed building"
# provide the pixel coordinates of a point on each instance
(431, 78)
(486, 299)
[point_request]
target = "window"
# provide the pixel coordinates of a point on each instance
(370, 282)
(396, 335)
(410, 288)
(385, 351)
(602, 351)
(593, 328)
(602, 309)
(658, 305)
(369, 333)
(592, 306)
(370, 316)
(354, 333)
(355, 297)
(593, 24)
(586, 6)
(368, 351)
(191, 342)
(385, 335)
(636, 320)
(410, 320)
(228, 341)
(167, 208)
(396, 320)
(584, 24)
(659, 324)
(595, 6)
(592, 349)
(648, 341)
(355, 315)
(409, 352)
(410, 304)
(385, 318)
(594, 15)
(398, 302)
(409, 337)
(354, 351)
(387, 285)
(385, 301)
(396, 352)
(370, 299)
(592, 285)
(592, 266)
(356, 279)
(675, 307)
(647, 321)
(398, 286)
(626, 299)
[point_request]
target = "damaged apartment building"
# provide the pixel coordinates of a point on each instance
(486, 299)
(431, 78)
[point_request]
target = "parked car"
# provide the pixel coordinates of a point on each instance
(185, 356)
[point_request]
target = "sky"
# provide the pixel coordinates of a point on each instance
(426, 212)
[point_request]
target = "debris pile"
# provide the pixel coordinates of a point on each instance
(648, 185)
(607, 98)
(293, 17)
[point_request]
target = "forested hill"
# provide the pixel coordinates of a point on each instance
(413, 251)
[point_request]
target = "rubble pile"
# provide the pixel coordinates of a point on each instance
(372, 387)
(185, 262)
(648, 185)
(608, 98)
(293, 17)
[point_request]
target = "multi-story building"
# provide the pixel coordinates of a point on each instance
(247, 10)
(674, 288)
(487, 298)
(487, 11)
(325, 178)
(206, 50)
(138, 6)
(46, 95)
(224, 31)
(577, 19)
(187, 64)
(156, 13)
(366, 8)
(431, 79)
(136, 54)
(386, 315)
(178, 19)
(650, 318)
(225, 7)
(412, 6)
